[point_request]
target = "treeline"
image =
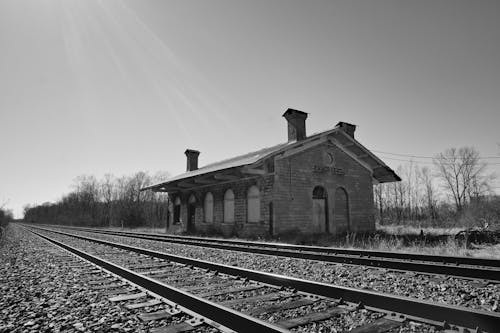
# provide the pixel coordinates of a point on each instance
(5, 217)
(454, 190)
(110, 201)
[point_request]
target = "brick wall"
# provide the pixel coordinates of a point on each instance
(240, 226)
(297, 175)
(290, 189)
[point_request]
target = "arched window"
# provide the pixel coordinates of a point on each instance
(177, 211)
(192, 199)
(209, 208)
(319, 192)
(229, 206)
(253, 204)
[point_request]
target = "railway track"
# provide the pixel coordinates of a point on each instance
(149, 299)
(280, 302)
(462, 267)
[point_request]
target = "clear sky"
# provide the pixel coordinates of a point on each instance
(95, 87)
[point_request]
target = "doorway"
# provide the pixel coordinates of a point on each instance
(341, 211)
(191, 214)
(320, 210)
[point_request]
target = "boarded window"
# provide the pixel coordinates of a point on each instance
(177, 211)
(209, 208)
(319, 193)
(253, 204)
(229, 206)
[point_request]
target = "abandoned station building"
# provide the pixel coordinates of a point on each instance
(321, 183)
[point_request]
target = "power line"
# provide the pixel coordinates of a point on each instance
(430, 157)
(421, 162)
(401, 160)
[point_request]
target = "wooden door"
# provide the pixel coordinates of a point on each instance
(320, 210)
(341, 211)
(191, 217)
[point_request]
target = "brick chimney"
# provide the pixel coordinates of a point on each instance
(296, 124)
(349, 129)
(192, 159)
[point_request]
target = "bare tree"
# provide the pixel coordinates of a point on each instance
(425, 177)
(87, 190)
(400, 195)
(379, 201)
(462, 173)
(105, 202)
(107, 192)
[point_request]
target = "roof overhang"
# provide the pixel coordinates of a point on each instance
(207, 179)
(380, 171)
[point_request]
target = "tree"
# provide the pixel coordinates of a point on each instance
(107, 193)
(430, 199)
(87, 190)
(105, 202)
(379, 201)
(5, 217)
(463, 174)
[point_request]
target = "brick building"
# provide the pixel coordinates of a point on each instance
(311, 184)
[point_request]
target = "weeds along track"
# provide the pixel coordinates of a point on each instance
(463, 267)
(282, 303)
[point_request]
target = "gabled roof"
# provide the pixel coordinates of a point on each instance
(381, 171)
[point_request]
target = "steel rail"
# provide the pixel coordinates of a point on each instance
(413, 308)
(433, 267)
(453, 260)
(225, 316)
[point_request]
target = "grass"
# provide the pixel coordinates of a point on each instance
(411, 230)
(446, 246)
(442, 242)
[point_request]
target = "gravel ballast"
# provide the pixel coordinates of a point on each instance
(46, 289)
(341, 322)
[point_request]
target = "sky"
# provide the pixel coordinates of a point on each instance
(120, 86)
